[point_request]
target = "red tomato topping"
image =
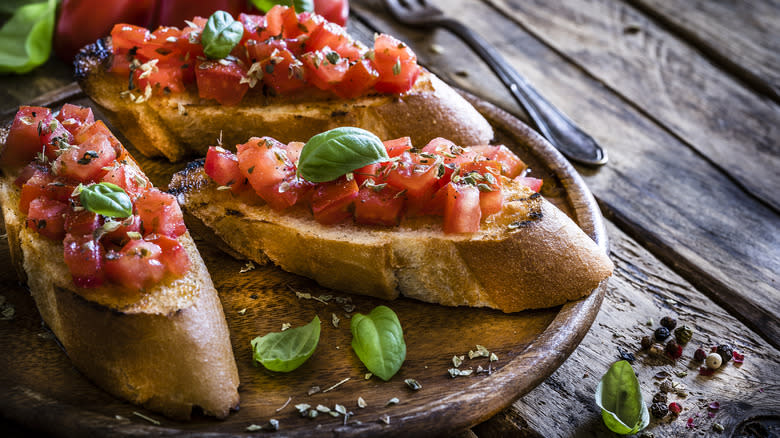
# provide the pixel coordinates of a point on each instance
(396, 64)
(46, 216)
(221, 81)
(222, 167)
(136, 266)
(87, 152)
(23, 141)
(461, 209)
(264, 162)
(332, 201)
(84, 257)
(378, 206)
(160, 214)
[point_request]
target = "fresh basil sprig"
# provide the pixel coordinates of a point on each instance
(107, 199)
(300, 5)
(620, 399)
(378, 340)
(333, 153)
(25, 39)
(287, 350)
(220, 35)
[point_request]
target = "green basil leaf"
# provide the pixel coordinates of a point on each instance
(333, 153)
(620, 399)
(378, 340)
(287, 350)
(220, 35)
(300, 5)
(25, 39)
(107, 199)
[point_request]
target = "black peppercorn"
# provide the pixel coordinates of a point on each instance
(699, 355)
(661, 333)
(725, 351)
(659, 410)
(647, 341)
(659, 397)
(669, 322)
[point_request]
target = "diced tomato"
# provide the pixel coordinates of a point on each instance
(264, 162)
(353, 50)
(89, 130)
(222, 167)
(416, 174)
(274, 22)
(309, 22)
(290, 24)
(327, 34)
(332, 201)
(375, 206)
(397, 146)
(129, 178)
(358, 79)
(28, 171)
(23, 141)
(54, 137)
(396, 64)
(160, 214)
(163, 45)
(86, 162)
(281, 71)
(371, 172)
(461, 210)
(136, 266)
(73, 117)
(252, 25)
(119, 236)
(334, 10)
(82, 222)
(324, 68)
(221, 81)
(173, 256)
(43, 184)
(126, 38)
(163, 79)
(84, 257)
(534, 184)
(510, 164)
(46, 216)
(435, 205)
(294, 149)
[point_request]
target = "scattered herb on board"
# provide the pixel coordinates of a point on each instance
(618, 395)
(378, 341)
(287, 350)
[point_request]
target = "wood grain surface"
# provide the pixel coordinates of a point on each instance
(740, 35)
(654, 178)
(530, 345)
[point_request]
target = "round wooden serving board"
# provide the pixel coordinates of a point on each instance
(42, 390)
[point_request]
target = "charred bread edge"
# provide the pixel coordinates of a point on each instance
(431, 109)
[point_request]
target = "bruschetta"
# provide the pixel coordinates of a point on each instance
(457, 226)
(289, 76)
(111, 266)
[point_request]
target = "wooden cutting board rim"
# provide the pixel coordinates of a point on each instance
(463, 409)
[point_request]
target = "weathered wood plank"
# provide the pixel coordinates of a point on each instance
(742, 36)
(668, 80)
(669, 197)
(643, 289)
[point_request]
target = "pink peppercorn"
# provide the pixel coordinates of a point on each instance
(675, 408)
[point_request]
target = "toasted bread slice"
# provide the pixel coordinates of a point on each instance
(167, 349)
(530, 255)
(183, 124)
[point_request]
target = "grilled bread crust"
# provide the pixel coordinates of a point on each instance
(167, 349)
(530, 255)
(183, 124)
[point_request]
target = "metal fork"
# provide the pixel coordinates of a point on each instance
(562, 133)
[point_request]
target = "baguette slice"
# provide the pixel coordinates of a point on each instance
(167, 349)
(183, 124)
(530, 255)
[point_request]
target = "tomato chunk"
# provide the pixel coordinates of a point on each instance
(43, 184)
(462, 212)
(46, 216)
(23, 141)
(54, 137)
(173, 256)
(136, 266)
(358, 79)
(221, 82)
(534, 184)
(324, 68)
(509, 164)
(378, 206)
(82, 222)
(129, 178)
(332, 201)
(264, 162)
(84, 257)
(86, 162)
(396, 64)
(222, 167)
(73, 117)
(131, 224)
(160, 214)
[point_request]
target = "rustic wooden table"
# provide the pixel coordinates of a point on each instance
(684, 97)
